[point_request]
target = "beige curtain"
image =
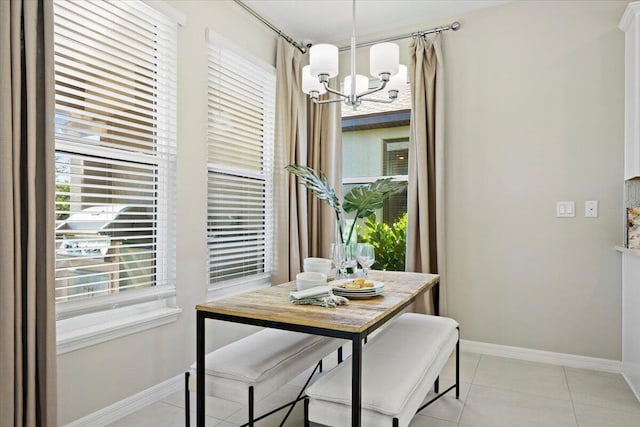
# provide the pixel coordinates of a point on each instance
(27, 304)
(291, 224)
(324, 154)
(425, 196)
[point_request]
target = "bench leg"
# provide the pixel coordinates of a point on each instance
(456, 385)
(304, 387)
(436, 385)
(250, 406)
(339, 355)
(320, 366)
(458, 366)
(396, 423)
(187, 403)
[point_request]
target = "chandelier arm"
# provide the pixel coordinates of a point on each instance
(383, 84)
(335, 92)
(380, 101)
(326, 101)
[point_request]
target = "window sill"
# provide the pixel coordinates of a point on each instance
(84, 331)
(238, 286)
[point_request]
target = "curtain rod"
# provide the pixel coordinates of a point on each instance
(290, 40)
(454, 26)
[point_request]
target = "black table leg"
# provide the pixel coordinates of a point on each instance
(356, 380)
(436, 299)
(200, 369)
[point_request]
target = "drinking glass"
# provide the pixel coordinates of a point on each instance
(339, 258)
(366, 256)
(351, 257)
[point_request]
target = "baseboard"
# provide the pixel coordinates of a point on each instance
(563, 359)
(632, 387)
(131, 404)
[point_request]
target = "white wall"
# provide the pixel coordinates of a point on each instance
(98, 376)
(534, 114)
(535, 104)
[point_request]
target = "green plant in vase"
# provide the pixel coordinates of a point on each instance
(363, 199)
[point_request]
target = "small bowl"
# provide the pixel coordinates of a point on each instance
(318, 265)
(309, 279)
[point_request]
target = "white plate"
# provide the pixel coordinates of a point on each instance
(355, 296)
(338, 284)
(356, 291)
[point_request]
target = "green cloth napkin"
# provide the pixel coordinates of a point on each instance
(328, 300)
(318, 295)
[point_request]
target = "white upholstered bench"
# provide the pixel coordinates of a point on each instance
(251, 368)
(399, 366)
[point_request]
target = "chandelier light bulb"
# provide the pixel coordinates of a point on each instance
(399, 80)
(384, 59)
(323, 59)
(362, 84)
(310, 83)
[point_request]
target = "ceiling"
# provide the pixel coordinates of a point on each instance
(330, 20)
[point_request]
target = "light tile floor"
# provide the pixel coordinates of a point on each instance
(495, 392)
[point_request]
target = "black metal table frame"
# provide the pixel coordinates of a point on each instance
(355, 338)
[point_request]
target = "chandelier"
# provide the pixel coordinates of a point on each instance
(384, 64)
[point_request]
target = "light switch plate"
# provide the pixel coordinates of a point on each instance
(591, 209)
(566, 209)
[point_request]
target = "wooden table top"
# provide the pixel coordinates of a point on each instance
(357, 316)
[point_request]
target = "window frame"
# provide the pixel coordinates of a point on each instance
(90, 321)
(251, 281)
(378, 120)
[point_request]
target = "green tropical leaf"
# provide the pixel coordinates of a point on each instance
(363, 199)
(366, 199)
(317, 183)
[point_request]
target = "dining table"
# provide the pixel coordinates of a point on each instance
(270, 307)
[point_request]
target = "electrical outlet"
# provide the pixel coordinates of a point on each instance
(591, 209)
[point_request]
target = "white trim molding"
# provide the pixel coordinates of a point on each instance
(131, 404)
(632, 387)
(238, 286)
(164, 7)
(633, 8)
(622, 249)
(541, 356)
(84, 331)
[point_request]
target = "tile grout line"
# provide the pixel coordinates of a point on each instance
(599, 405)
(473, 377)
(573, 406)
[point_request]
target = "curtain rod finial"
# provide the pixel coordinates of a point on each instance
(455, 26)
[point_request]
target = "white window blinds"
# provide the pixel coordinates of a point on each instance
(115, 129)
(240, 139)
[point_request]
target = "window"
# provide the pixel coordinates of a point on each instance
(240, 140)
(382, 132)
(115, 130)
